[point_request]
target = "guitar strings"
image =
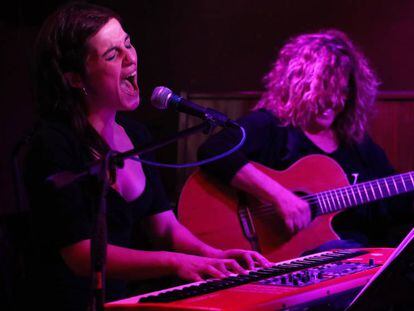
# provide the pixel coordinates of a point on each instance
(366, 187)
(331, 196)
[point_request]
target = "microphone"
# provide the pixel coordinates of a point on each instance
(163, 98)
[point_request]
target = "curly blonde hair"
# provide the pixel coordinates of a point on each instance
(317, 71)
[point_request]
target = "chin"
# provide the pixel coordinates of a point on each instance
(130, 105)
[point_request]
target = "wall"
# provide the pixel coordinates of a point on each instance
(203, 46)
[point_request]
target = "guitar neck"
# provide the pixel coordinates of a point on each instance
(334, 200)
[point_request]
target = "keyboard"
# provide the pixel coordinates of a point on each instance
(283, 285)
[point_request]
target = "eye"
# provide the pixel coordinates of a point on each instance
(112, 55)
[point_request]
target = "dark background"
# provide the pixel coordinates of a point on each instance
(202, 46)
(194, 46)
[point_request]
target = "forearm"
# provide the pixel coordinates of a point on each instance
(131, 264)
(294, 211)
(122, 263)
(184, 241)
(169, 234)
(255, 182)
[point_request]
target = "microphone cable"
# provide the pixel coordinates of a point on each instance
(197, 163)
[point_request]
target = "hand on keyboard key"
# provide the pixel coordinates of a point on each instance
(248, 259)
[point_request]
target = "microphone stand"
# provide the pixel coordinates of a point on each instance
(101, 169)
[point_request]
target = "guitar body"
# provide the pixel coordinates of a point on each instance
(210, 210)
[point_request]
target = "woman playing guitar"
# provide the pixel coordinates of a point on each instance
(318, 98)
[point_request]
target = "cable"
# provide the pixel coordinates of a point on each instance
(197, 163)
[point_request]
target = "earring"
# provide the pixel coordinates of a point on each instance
(84, 91)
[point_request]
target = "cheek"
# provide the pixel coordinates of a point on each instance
(104, 80)
(134, 55)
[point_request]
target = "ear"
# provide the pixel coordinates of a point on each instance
(73, 79)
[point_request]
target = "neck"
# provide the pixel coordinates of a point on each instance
(103, 121)
(325, 139)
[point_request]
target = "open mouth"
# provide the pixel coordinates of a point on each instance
(129, 84)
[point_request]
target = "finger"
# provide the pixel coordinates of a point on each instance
(305, 223)
(290, 227)
(233, 265)
(214, 272)
(301, 222)
(308, 213)
(307, 217)
(247, 257)
(195, 277)
(222, 268)
(296, 226)
(261, 260)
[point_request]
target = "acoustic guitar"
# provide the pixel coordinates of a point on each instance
(225, 218)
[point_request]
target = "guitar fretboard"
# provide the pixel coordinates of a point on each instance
(338, 199)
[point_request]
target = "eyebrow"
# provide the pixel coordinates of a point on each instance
(114, 47)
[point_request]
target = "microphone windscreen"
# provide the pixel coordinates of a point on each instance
(160, 97)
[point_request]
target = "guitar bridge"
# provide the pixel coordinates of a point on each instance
(246, 222)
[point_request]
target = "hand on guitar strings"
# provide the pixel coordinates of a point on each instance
(294, 211)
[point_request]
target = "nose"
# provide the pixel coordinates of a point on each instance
(130, 57)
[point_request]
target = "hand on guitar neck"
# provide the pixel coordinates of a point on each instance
(294, 211)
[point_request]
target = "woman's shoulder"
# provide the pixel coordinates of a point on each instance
(54, 133)
(262, 117)
(261, 120)
(53, 147)
(374, 156)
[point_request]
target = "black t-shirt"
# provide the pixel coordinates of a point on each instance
(278, 147)
(63, 217)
